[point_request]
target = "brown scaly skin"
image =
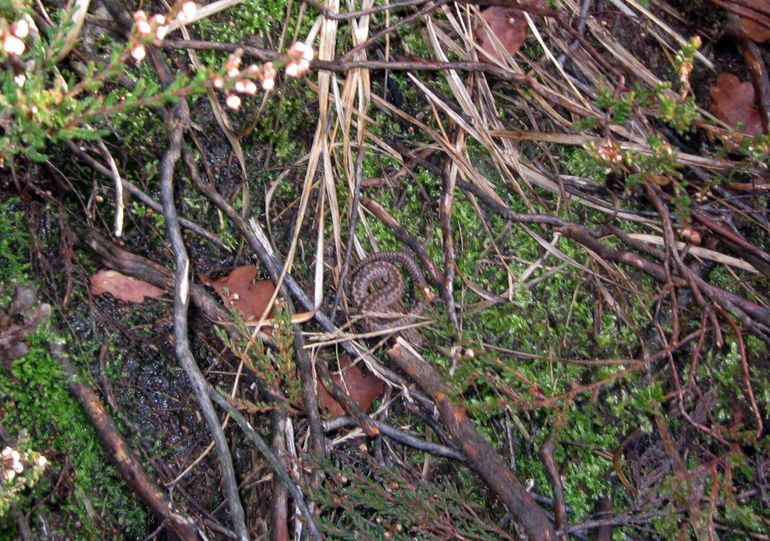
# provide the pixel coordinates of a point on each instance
(381, 270)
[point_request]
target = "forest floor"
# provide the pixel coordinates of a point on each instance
(565, 332)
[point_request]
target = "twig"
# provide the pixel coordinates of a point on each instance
(401, 437)
(121, 453)
(328, 14)
(653, 192)
(445, 217)
(119, 205)
(603, 511)
(274, 461)
(552, 471)
(481, 457)
(279, 499)
(733, 238)
(182, 345)
(746, 375)
(142, 196)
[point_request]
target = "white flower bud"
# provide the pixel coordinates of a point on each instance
(233, 102)
(13, 45)
(138, 52)
(20, 29)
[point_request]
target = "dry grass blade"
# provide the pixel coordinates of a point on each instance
(697, 251)
(203, 12)
(621, 4)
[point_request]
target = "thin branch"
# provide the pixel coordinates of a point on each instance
(270, 456)
(481, 456)
(125, 459)
(182, 345)
(143, 197)
(404, 438)
(552, 471)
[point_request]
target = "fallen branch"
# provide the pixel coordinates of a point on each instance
(481, 457)
(125, 460)
(182, 345)
(399, 436)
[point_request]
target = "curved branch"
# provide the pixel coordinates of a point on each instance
(182, 346)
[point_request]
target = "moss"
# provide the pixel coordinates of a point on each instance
(36, 399)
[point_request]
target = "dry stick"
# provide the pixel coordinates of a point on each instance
(142, 196)
(328, 14)
(603, 510)
(425, 10)
(182, 345)
(552, 471)
(274, 461)
(445, 217)
(401, 437)
(481, 457)
(753, 58)
(653, 193)
(732, 237)
(124, 457)
(303, 360)
(279, 498)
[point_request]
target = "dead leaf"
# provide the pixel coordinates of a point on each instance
(362, 386)
(239, 290)
(754, 29)
(734, 103)
(508, 25)
(123, 287)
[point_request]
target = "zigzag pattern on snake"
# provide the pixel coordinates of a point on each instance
(377, 286)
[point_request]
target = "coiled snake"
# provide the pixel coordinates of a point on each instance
(380, 271)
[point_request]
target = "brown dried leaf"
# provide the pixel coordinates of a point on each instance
(239, 290)
(123, 287)
(734, 103)
(508, 25)
(754, 29)
(758, 32)
(362, 386)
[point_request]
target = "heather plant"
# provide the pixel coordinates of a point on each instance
(42, 103)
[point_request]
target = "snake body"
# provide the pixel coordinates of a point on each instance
(376, 285)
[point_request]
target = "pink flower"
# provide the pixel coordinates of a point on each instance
(138, 52)
(233, 102)
(13, 45)
(300, 54)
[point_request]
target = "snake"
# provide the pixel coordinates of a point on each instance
(377, 286)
